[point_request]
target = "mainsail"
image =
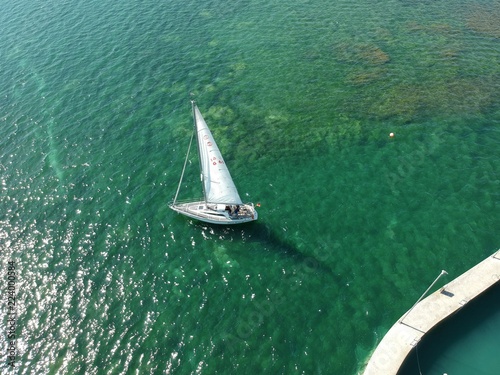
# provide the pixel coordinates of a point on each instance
(218, 184)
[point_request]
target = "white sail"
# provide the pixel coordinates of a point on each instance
(218, 184)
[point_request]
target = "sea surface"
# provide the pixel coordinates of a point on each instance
(301, 96)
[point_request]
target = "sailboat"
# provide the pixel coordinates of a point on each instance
(222, 203)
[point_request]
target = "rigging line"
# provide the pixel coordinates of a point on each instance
(184, 168)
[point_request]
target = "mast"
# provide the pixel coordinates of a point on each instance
(184, 168)
(202, 174)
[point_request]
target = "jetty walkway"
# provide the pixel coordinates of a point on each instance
(405, 334)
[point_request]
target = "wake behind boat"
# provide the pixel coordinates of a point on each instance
(222, 203)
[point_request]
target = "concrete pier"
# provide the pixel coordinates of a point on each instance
(405, 334)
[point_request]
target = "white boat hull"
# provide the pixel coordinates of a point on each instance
(199, 210)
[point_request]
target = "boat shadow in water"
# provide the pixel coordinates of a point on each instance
(269, 242)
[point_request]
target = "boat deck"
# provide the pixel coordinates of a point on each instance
(198, 210)
(405, 334)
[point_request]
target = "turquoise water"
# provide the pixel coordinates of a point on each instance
(301, 97)
(467, 343)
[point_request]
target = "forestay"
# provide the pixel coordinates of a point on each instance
(217, 181)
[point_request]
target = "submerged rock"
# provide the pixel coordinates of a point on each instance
(364, 53)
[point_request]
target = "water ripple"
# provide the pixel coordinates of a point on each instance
(94, 114)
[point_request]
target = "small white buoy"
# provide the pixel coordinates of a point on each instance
(391, 135)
